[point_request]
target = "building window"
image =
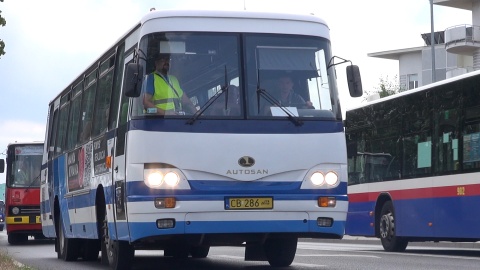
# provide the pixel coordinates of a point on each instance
(412, 81)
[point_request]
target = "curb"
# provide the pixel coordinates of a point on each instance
(376, 241)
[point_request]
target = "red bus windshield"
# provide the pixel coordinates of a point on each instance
(24, 164)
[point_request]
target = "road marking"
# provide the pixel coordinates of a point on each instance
(293, 264)
(436, 256)
(230, 257)
(337, 255)
(308, 265)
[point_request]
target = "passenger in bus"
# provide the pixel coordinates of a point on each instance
(163, 94)
(286, 96)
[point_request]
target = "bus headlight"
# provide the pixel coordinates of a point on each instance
(172, 179)
(317, 178)
(154, 179)
(331, 178)
(324, 176)
(163, 176)
(15, 210)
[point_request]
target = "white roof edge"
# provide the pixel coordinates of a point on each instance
(232, 14)
(26, 142)
(419, 89)
(395, 54)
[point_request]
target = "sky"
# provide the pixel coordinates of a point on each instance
(49, 42)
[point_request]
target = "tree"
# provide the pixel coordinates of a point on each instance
(2, 44)
(385, 88)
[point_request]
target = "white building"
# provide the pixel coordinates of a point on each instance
(457, 50)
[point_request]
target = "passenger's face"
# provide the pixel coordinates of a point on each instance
(285, 84)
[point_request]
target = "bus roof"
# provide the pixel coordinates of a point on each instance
(419, 89)
(172, 13)
(26, 143)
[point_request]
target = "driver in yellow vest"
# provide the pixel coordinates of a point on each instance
(163, 94)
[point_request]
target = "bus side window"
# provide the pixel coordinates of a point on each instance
(470, 137)
(86, 116)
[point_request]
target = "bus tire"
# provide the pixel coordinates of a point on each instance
(120, 254)
(17, 238)
(39, 236)
(388, 234)
(68, 248)
(178, 251)
(90, 250)
(280, 252)
(199, 252)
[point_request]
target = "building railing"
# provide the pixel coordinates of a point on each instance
(456, 71)
(462, 34)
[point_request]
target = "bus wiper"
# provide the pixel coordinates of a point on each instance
(197, 114)
(223, 89)
(268, 97)
(33, 182)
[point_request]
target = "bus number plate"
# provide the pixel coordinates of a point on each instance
(246, 203)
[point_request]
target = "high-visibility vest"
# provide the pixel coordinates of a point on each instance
(164, 96)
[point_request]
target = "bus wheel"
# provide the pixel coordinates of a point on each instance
(178, 251)
(39, 236)
(199, 252)
(388, 235)
(90, 249)
(280, 252)
(17, 238)
(68, 248)
(120, 254)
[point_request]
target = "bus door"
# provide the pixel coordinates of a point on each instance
(46, 204)
(46, 174)
(118, 151)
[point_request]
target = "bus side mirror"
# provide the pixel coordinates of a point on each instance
(132, 81)
(354, 81)
(2, 165)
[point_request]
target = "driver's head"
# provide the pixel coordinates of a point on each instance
(162, 62)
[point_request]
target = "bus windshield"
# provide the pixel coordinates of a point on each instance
(25, 166)
(274, 76)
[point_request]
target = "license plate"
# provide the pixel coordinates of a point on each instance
(246, 203)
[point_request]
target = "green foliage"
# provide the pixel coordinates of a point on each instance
(2, 44)
(385, 88)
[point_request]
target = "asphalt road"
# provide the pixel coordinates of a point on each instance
(349, 253)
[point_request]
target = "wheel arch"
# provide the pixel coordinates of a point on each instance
(56, 222)
(100, 209)
(381, 200)
(56, 215)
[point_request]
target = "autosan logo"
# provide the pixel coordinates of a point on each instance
(246, 161)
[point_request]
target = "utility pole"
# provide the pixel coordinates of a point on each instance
(432, 41)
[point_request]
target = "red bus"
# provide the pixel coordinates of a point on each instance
(22, 191)
(2, 214)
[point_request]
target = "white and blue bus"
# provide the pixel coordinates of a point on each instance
(118, 177)
(414, 163)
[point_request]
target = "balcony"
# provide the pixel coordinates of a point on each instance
(462, 39)
(452, 72)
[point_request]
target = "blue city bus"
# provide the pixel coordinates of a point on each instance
(414, 163)
(243, 170)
